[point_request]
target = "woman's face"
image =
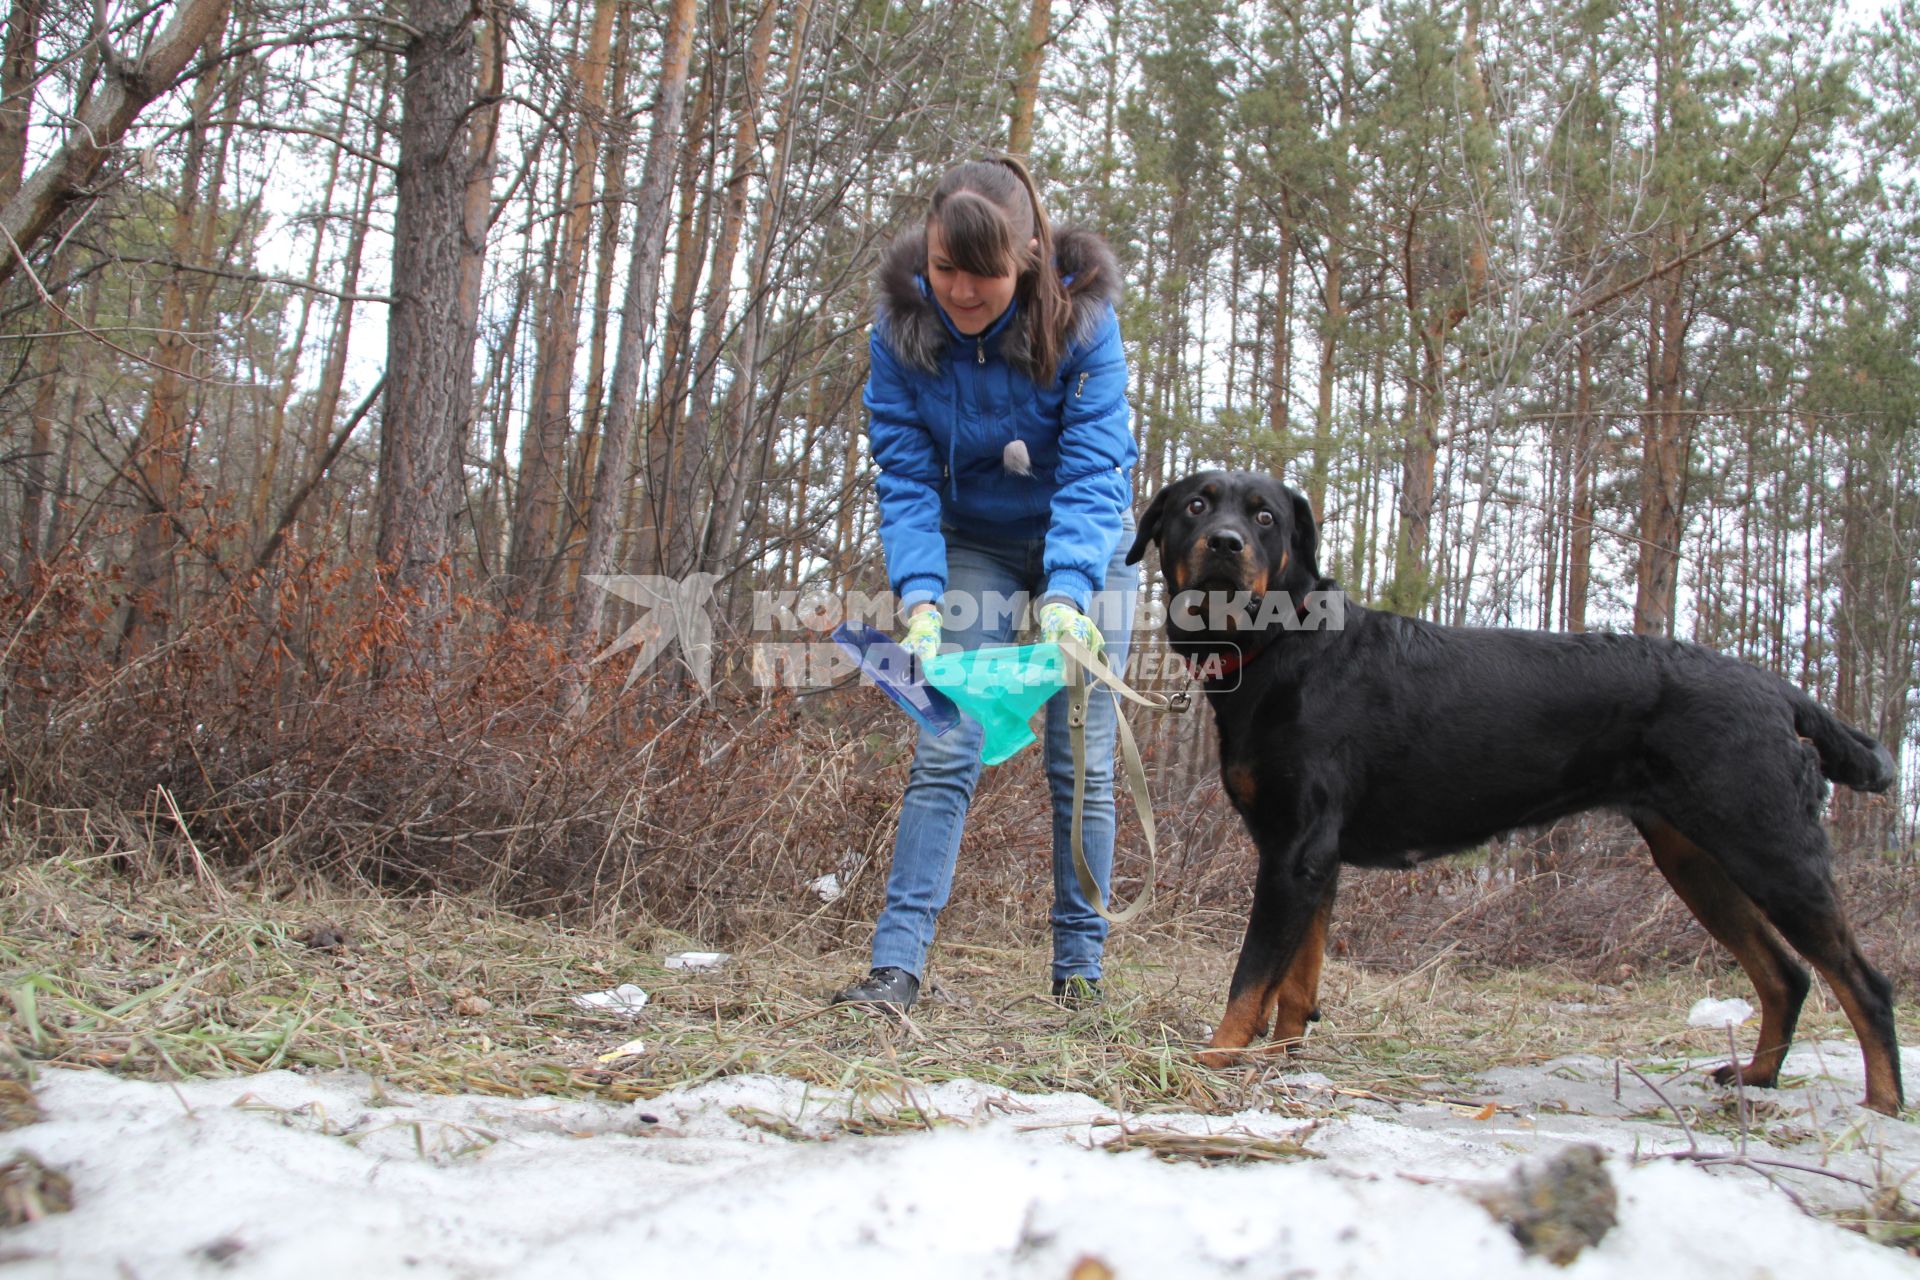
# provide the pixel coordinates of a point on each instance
(972, 302)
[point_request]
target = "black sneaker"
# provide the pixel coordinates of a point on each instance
(1077, 992)
(890, 986)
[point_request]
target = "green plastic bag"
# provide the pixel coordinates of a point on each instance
(1000, 687)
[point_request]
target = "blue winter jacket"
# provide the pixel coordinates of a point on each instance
(945, 407)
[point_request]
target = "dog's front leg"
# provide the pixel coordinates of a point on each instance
(1298, 1000)
(1291, 902)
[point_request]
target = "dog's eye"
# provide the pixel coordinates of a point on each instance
(1196, 505)
(1263, 516)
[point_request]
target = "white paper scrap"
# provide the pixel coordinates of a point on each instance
(698, 959)
(1719, 1013)
(625, 998)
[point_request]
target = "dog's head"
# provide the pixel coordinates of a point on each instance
(1231, 533)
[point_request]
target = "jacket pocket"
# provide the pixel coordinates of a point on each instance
(1038, 423)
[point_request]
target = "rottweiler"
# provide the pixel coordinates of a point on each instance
(1350, 735)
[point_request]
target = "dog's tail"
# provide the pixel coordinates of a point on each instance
(1847, 756)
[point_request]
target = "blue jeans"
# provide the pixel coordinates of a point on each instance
(988, 582)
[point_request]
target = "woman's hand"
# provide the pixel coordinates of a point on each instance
(923, 634)
(1058, 619)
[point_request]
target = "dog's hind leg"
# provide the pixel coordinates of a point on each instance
(1808, 916)
(1727, 913)
(1781, 861)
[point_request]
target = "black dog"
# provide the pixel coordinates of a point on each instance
(1367, 738)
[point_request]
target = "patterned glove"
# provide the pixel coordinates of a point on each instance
(1058, 618)
(923, 635)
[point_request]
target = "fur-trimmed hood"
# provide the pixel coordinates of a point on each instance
(917, 333)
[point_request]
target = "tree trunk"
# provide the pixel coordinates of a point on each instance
(287, 376)
(694, 482)
(1412, 586)
(67, 175)
(606, 259)
(544, 446)
(655, 534)
(1333, 275)
(1033, 56)
(1280, 375)
(35, 486)
(636, 319)
(1665, 436)
(493, 520)
(78, 368)
(333, 372)
(17, 67)
(446, 149)
(725, 533)
(1666, 440)
(1585, 462)
(159, 459)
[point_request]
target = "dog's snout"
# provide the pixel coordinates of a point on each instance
(1226, 541)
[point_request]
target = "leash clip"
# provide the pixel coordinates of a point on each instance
(1180, 700)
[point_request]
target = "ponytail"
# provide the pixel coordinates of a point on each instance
(1046, 293)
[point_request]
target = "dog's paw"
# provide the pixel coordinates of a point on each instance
(1219, 1056)
(1742, 1074)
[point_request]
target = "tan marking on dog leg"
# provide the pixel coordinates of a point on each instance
(1733, 919)
(1841, 964)
(1246, 1019)
(1883, 1080)
(1299, 991)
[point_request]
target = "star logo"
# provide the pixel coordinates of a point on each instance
(671, 608)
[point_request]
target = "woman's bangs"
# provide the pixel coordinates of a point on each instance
(979, 241)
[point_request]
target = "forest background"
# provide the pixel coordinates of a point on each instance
(343, 346)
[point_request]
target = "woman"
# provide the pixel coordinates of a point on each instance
(999, 423)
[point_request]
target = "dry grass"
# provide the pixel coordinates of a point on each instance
(159, 974)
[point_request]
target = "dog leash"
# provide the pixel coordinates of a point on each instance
(1086, 671)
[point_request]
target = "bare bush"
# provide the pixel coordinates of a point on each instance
(234, 746)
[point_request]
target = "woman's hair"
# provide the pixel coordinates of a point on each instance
(989, 212)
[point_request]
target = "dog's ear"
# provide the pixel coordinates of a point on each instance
(1306, 535)
(1149, 525)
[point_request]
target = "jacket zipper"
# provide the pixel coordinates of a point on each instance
(979, 351)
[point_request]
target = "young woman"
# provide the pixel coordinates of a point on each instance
(999, 423)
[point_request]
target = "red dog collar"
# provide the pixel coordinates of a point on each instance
(1219, 668)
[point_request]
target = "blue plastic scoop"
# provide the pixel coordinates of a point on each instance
(891, 667)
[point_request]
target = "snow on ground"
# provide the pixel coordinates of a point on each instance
(331, 1175)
